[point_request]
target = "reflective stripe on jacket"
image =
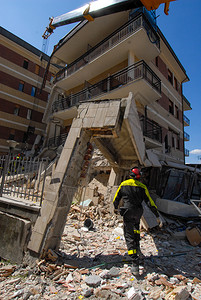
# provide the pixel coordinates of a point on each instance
(133, 193)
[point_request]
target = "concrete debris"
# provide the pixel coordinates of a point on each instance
(94, 264)
(93, 280)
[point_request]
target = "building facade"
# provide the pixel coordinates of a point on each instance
(22, 106)
(111, 57)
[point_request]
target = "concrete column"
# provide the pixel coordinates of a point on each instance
(131, 61)
(131, 58)
(92, 119)
(49, 226)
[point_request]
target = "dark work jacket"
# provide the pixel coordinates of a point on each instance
(133, 192)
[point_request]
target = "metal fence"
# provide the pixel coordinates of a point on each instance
(23, 177)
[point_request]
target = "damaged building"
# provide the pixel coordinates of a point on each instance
(116, 102)
(107, 59)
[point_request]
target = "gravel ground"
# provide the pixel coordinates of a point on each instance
(93, 264)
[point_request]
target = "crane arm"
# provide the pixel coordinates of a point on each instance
(101, 8)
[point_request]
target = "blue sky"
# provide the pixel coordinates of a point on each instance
(182, 28)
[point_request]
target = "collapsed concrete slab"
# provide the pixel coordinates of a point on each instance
(115, 128)
(175, 208)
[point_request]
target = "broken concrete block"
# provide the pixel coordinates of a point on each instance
(113, 272)
(13, 237)
(156, 293)
(7, 270)
(148, 219)
(118, 231)
(132, 294)
(87, 292)
(93, 280)
(179, 293)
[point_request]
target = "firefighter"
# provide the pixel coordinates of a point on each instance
(133, 192)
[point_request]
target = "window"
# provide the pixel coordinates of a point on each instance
(30, 130)
(33, 91)
(29, 113)
(171, 107)
(25, 137)
(167, 147)
(173, 142)
(156, 61)
(176, 112)
(11, 134)
(170, 76)
(16, 110)
(25, 64)
(178, 143)
(21, 86)
(175, 139)
(175, 83)
(37, 69)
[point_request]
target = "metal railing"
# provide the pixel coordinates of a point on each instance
(151, 129)
(108, 43)
(186, 136)
(186, 120)
(57, 140)
(23, 177)
(139, 70)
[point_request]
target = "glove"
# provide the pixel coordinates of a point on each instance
(160, 222)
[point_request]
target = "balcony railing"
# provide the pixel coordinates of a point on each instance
(186, 136)
(186, 120)
(151, 129)
(57, 140)
(186, 152)
(115, 38)
(139, 70)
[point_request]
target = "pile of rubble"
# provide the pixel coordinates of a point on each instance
(92, 263)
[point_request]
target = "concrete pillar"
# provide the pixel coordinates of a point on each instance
(131, 58)
(131, 61)
(91, 118)
(59, 194)
(111, 180)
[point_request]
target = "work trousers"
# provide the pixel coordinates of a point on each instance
(132, 231)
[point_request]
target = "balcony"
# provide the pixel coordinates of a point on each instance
(186, 137)
(136, 35)
(138, 78)
(186, 152)
(186, 121)
(152, 132)
(57, 140)
(186, 103)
